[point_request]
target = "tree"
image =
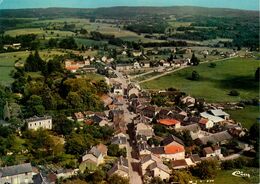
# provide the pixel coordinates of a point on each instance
(234, 93)
(257, 74)
(75, 100)
(206, 169)
(181, 177)
(212, 65)
(68, 43)
(254, 131)
(187, 138)
(113, 149)
(78, 143)
(52, 43)
(194, 60)
(157, 180)
(62, 125)
(7, 114)
(116, 179)
(195, 76)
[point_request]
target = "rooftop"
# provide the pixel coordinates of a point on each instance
(15, 170)
(169, 122)
(172, 149)
(36, 118)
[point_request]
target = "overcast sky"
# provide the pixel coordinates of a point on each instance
(236, 4)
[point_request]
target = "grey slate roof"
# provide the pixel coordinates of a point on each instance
(15, 170)
(94, 151)
(121, 164)
(215, 138)
(118, 140)
(168, 140)
(36, 118)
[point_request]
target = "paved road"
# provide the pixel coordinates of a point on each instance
(236, 155)
(134, 176)
(163, 74)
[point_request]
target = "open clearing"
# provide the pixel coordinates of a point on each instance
(215, 83)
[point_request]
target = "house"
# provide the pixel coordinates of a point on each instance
(117, 89)
(73, 66)
(120, 140)
(143, 129)
(36, 122)
(237, 132)
(188, 101)
(170, 123)
(182, 164)
(205, 123)
(136, 65)
(95, 155)
(143, 148)
(145, 64)
(208, 152)
(179, 164)
(65, 173)
(124, 67)
(132, 89)
(149, 111)
(116, 115)
(100, 120)
(171, 152)
(214, 119)
(45, 178)
(120, 167)
(195, 158)
(220, 138)
(79, 116)
(164, 114)
(137, 53)
(15, 46)
(89, 69)
(217, 150)
(219, 113)
(107, 100)
(16, 174)
(172, 140)
(154, 167)
(158, 169)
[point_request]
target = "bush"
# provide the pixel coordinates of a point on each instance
(234, 93)
(206, 169)
(212, 65)
(195, 76)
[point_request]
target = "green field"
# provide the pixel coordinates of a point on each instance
(215, 83)
(246, 116)
(226, 177)
(7, 61)
(39, 32)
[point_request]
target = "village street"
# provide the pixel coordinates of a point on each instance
(134, 176)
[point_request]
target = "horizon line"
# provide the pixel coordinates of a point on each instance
(66, 7)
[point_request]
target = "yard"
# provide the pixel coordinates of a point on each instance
(215, 83)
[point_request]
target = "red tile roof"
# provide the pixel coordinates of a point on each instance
(203, 121)
(172, 149)
(72, 67)
(168, 122)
